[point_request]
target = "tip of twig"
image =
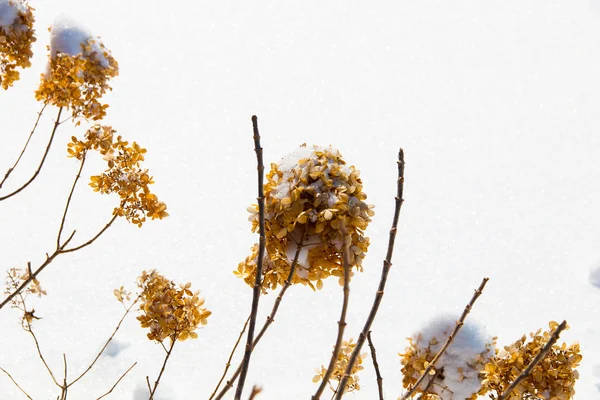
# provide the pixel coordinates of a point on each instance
(254, 118)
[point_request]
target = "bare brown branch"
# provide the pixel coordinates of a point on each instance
(256, 290)
(448, 341)
(39, 168)
(341, 322)
(539, 357)
(387, 265)
(162, 369)
(117, 382)
(376, 366)
(15, 382)
(255, 391)
(11, 169)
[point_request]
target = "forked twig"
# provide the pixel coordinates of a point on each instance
(387, 265)
(376, 366)
(162, 369)
(39, 168)
(15, 382)
(229, 359)
(539, 357)
(271, 317)
(256, 290)
(117, 382)
(449, 340)
(341, 323)
(11, 169)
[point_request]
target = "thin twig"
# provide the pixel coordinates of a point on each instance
(255, 391)
(430, 383)
(449, 340)
(36, 173)
(64, 386)
(271, 317)
(92, 240)
(11, 169)
(15, 382)
(162, 369)
(387, 265)
(376, 366)
(341, 322)
(64, 216)
(539, 357)
(229, 359)
(256, 290)
(107, 342)
(117, 382)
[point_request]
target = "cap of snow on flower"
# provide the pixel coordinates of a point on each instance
(311, 193)
(16, 37)
(79, 68)
(456, 373)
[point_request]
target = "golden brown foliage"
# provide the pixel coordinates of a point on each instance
(340, 367)
(124, 175)
(321, 195)
(79, 81)
(553, 378)
(15, 43)
(169, 311)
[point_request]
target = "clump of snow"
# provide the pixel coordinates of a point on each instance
(472, 347)
(67, 36)
(9, 11)
(595, 275)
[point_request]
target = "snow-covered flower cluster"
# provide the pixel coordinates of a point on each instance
(78, 71)
(456, 374)
(553, 378)
(312, 195)
(169, 311)
(340, 367)
(16, 36)
(124, 175)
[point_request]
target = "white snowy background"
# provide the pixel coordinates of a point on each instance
(495, 103)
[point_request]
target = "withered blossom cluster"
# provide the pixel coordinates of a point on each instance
(315, 195)
(340, 368)
(553, 378)
(16, 38)
(14, 279)
(169, 311)
(124, 175)
(78, 81)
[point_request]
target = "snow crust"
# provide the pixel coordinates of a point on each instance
(470, 342)
(9, 11)
(67, 35)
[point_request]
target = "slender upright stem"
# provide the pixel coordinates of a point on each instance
(271, 317)
(387, 265)
(228, 364)
(376, 366)
(259, 263)
(539, 357)
(341, 322)
(162, 369)
(39, 168)
(11, 169)
(64, 216)
(449, 340)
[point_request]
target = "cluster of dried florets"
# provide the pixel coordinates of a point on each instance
(15, 278)
(78, 71)
(311, 193)
(553, 378)
(124, 175)
(16, 37)
(456, 374)
(340, 368)
(169, 311)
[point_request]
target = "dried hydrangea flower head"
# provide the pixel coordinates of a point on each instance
(456, 374)
(124, 175)
(16, 37)
(14, 279)
(169, 311)
(340, 368)
(78, 71)
(310, 191)
(553, 378)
